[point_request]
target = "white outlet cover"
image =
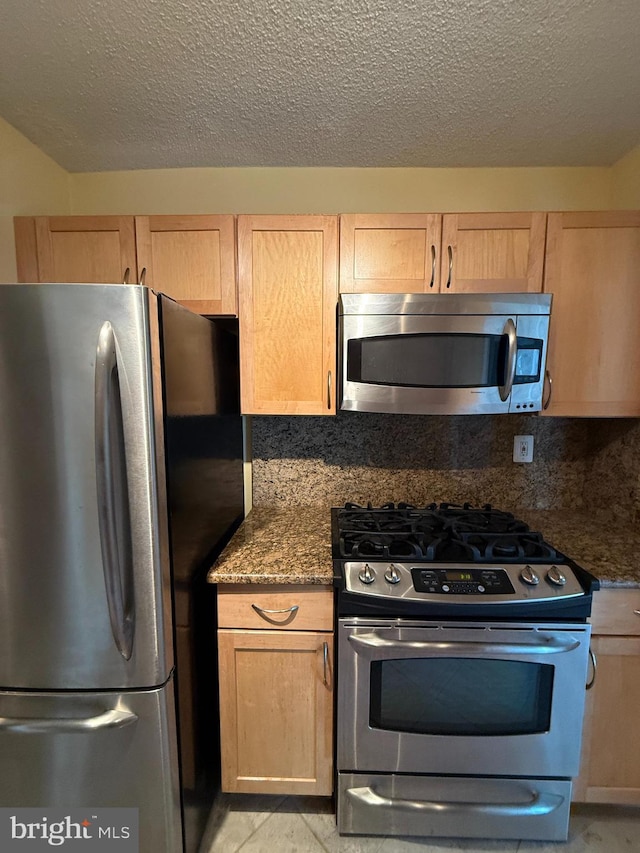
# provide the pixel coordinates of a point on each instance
(523, 448)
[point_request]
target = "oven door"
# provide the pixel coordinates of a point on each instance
(496, 699)
(443, 364)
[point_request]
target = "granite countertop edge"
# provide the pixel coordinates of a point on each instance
(292, 545)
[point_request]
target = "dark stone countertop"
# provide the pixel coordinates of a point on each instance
(292, 545)
(278, 545)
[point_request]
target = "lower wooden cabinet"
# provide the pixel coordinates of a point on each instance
(276, 690)
(610, 770)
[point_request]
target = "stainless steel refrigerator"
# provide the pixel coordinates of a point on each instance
(120, 479)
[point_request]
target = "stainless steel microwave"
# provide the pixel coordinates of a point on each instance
(443, 354)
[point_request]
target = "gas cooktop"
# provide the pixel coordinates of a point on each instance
(451, 558)
(442, 533)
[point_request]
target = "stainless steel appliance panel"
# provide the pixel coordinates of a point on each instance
(95, 750)
(439, 374)
(83, 547)
(376, 804)
(548, 747)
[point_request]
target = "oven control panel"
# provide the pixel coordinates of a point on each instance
(460, 583)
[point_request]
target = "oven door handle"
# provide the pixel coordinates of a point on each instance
(539, 804)
(547, 646)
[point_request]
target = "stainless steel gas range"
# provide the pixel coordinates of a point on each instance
(463, 653)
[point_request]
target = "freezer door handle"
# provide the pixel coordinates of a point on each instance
(112, 719)
(112, 492)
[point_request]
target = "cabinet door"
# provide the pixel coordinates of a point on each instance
(276, 711)
(593, 271)
(389, 253)
(610, 770)
(191, 259)
(492, 252)
(287, 288)
(76, 249)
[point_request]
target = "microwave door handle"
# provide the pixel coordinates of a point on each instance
(510, 366)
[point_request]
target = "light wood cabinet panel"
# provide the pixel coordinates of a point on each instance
(191, 259)
(593, 271)
(76, 249)
(610, 770)
(287, 283)
(492, 252)
(389, 253)
(610, 766)
(276, 711)
(245, 606)
(451, 253)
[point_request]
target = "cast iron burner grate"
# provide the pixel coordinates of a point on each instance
(446, 532)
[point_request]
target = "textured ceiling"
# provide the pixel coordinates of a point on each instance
(112, 84)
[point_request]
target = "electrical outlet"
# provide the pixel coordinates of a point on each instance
(523, 448)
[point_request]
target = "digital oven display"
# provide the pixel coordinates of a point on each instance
(458, 576)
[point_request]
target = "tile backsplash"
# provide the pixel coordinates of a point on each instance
(368, 457)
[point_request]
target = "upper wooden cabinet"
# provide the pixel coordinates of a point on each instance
(190, 258)
(389, 253)
(492, 252)
(593, 271)
(288, 288)
(455, 253)
(76, 249)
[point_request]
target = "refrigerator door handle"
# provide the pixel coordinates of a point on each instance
(112, 492)
(112, 719)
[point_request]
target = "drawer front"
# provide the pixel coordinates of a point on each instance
(614, 612)
(295, 608)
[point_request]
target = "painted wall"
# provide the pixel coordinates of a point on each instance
(625, 181)
(30, 183)
(334, 190)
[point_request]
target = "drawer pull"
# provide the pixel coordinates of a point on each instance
(268, 614)
(637, 612)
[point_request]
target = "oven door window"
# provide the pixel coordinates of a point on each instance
(460, 696)
(434, 360)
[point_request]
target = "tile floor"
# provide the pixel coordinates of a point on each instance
(261, 824)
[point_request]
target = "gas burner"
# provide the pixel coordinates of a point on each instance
(380, 546)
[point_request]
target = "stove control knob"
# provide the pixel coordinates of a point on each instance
(367, 575)
(529, 576)
(556, 576)
(392, 575)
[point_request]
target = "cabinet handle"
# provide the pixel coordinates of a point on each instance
(125, 277)
(594, 665)
(545, 403)
(267, 614)
(325, 663)
(329, 390)
(142, 275)
(433, 266)
(450, 253)
(637, 612)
